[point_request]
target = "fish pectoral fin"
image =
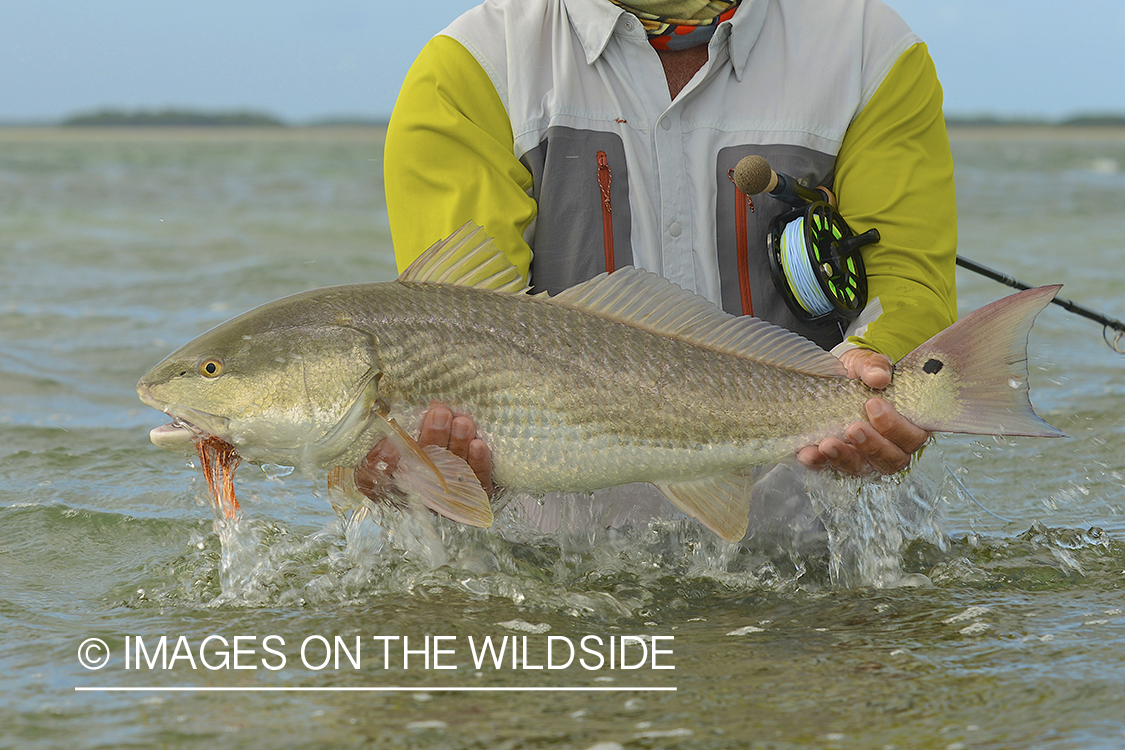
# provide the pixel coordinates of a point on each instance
(720, 502)
(440, 480)
(448, 486)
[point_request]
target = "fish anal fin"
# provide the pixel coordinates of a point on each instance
(720, 502)
(468, 257)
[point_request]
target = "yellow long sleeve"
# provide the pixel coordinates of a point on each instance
(449, 158)
(895, 172)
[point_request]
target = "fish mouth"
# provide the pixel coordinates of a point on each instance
(187, 427)
(176, 436)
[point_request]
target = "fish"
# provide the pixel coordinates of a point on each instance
(624, 378)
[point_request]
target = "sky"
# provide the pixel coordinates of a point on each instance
(309, 60)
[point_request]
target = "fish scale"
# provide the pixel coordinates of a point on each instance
(562, 404)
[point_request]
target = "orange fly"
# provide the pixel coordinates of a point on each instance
(219, 460)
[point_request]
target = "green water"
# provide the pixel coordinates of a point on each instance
(117, 246)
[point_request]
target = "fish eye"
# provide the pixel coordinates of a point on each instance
(211, 368)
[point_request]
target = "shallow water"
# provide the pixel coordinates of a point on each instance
(117, 246)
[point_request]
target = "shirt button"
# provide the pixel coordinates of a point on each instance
(675, 229)
(666, 124)
(628, 25)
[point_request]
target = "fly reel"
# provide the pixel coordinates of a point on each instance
(816, 264)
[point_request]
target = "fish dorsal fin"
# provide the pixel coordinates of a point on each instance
(644, 300)
(468, 257)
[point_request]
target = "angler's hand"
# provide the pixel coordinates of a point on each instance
(458, 433)
(882, 444)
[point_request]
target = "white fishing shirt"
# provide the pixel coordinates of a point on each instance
(580, 86)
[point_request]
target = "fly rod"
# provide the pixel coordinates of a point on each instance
(1066, 304)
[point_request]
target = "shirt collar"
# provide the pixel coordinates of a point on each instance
(595, 22)
(744, 30)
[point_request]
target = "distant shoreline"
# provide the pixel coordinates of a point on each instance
(192, 119)
(235, 126)
(1080, 121)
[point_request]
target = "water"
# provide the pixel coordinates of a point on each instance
(932, 624)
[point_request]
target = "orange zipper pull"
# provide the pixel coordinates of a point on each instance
(742, 201)
(605, 177)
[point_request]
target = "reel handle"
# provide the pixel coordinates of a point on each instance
(849, 245)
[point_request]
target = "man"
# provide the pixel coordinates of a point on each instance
(586, 135)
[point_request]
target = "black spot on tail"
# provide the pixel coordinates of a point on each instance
(932, 366)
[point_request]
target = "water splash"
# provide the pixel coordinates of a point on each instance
(663, 570)
(241, 564)
(276, 472)
(367, 556)
(585, 563)
(870, 521)
(1040, 558)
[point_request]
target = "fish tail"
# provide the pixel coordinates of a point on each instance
(972, 377)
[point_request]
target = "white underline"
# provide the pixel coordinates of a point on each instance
(380, 689)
